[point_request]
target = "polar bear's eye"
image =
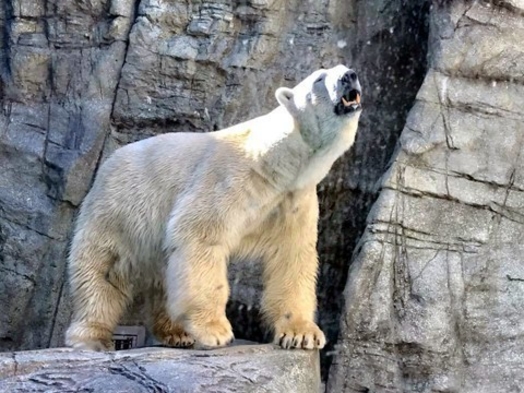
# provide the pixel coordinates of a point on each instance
(320, 78)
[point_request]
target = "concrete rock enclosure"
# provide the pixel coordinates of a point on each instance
(433, 300)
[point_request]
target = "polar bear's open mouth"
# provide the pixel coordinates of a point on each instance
(349, 102)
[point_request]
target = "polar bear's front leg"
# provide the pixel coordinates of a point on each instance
(197, 293)
(290, 274)
(289, 301)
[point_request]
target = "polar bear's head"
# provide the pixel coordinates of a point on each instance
(326, 106)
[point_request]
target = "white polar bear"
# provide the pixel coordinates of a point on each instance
(168, 213)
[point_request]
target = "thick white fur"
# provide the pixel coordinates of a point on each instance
(169, 212)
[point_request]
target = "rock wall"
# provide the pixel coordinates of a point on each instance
(59, 76)
(79, 79)
(434, 295)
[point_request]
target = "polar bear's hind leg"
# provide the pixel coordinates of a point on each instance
(100, 294)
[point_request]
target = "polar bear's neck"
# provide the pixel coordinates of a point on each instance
(282, 156)
(322, 160)
(276, 148)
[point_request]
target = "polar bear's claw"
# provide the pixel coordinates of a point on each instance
(217, 333)
(299, 334)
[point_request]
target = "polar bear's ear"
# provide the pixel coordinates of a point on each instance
(284, 97)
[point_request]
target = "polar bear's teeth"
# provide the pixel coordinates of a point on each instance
(350, 103)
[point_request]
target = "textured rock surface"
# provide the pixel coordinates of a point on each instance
(257, 369)
(434, 296)
(79, 78)
(60, 65)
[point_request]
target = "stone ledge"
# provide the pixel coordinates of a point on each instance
(240, 368)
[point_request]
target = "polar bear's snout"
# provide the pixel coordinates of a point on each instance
(348, 99)
(349, 77)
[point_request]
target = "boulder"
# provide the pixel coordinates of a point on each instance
(243, 368)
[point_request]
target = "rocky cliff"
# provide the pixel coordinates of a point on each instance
(435, 292)
(432, 297)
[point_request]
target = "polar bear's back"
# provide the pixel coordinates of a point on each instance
(137, 186)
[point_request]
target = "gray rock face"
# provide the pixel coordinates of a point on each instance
(60, 65)
(80, 78)
(434, 296)
(251, 368)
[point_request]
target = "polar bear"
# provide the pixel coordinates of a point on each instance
(169, 212)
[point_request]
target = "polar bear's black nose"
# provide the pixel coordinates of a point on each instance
(349, 77)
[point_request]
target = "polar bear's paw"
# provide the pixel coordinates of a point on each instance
(298, 333)
(92, 345)
(89, 336)
(211, 334)
(175, 336)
